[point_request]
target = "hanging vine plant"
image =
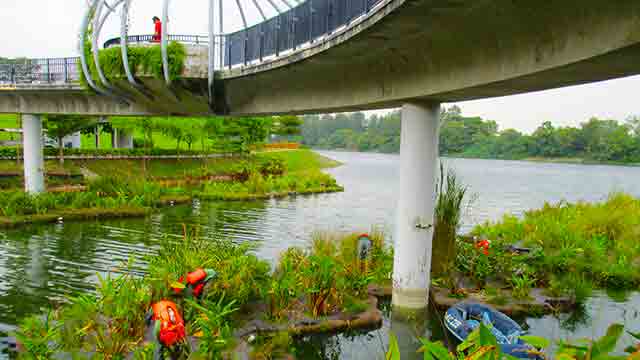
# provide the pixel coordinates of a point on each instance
(143, 60)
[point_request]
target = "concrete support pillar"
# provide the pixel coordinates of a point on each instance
(33, 154)
(124, 140)
(416, 201)
(114, 138)
(96, 133)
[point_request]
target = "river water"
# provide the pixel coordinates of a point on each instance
(41, 265)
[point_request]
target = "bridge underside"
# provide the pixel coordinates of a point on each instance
(407, 50)
(446, 50)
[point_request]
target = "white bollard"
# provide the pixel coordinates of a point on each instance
(414, 216)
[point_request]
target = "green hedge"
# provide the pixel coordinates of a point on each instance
(11, 152)
(146, 59)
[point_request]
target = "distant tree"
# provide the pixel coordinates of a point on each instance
(59, 126)
(634, 124)
(286, 125)
(451, 113)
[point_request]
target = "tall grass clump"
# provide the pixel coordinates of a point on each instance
(241, 276)
(259, 186)
(329, 276)
(448, 216)
(109, 323)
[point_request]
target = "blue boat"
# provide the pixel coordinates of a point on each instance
(462, 318)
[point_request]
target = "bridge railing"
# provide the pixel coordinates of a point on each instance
(39, 71)
(305, 23)
(296, 28)
(145, 39)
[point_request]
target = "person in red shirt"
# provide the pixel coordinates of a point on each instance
(157, 36)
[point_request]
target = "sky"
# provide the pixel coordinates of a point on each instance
(49, 28)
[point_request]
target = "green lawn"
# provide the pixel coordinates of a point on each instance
(299, 160)
(8, 121)
(295, 160)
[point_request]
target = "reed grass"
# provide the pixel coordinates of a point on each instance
(598, 240)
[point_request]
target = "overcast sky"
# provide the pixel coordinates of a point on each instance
(49, 28)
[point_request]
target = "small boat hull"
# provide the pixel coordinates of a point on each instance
(463, 318)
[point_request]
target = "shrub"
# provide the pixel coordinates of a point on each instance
(598, 240)
(448, 215)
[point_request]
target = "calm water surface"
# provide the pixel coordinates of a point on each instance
(42, 265)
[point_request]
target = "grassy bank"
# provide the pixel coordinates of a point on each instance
(292, 160)
(571, 248)
(102, 198)
(261, 187)
(275, 174)
(317, 289)
(73, 215)
(138, 185)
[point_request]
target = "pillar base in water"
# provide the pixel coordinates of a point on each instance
(409, 326)
(410, 300)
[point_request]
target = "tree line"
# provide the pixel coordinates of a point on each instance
(215, 134)
(599, 140)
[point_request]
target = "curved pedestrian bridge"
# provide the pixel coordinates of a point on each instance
(336, 55)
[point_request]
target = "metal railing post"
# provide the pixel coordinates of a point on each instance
(246, 41)
(278, 35)
(228, 43)
(293, 30)
(48, 72)
(66, 71)
(261, 52)
(311, 11)
(12, 73)
(328, 17)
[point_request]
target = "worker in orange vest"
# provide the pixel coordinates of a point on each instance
(195, 282)
(168, 327)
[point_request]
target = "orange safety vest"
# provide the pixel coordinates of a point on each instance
(196, 280)
(171, 329)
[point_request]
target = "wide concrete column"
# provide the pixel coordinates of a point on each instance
(124, 139)
(33, 154)
(416, 200)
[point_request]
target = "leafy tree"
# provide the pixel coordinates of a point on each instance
(596, 139)
(59, 126)
(286, 125)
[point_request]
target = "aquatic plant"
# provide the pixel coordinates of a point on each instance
(448, 215)
(324, 280)
(268, 347)
(237, 269)
(522, 285)
(212, 326)
(36, 335)
(285, 285)
(595, 239)
(318, 275)
(257, 186)
(241, 278)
